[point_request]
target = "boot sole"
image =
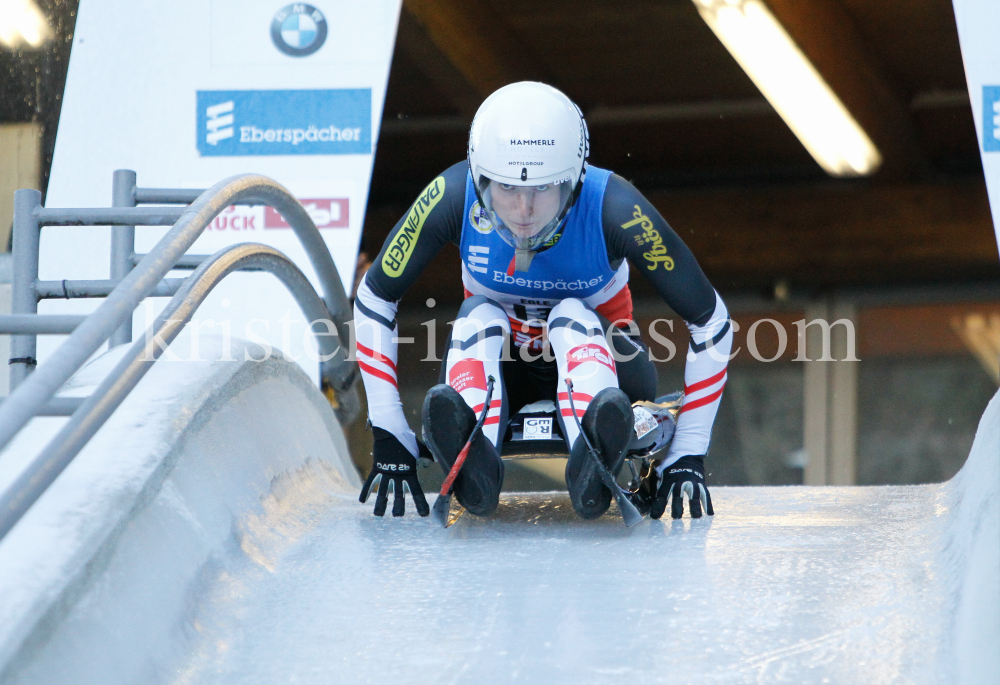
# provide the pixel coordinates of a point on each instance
(447, 422)
(608, 424)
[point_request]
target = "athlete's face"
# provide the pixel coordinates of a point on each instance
(525, 209)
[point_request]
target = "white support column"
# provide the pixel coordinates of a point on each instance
(816, 398)
(830, 395)
(20, 167)
(842, 459)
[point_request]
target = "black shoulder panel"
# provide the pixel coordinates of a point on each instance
(634, 230)
(433, 220)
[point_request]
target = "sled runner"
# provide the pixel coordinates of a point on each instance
(535, 432)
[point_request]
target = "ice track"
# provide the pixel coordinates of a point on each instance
(784, 585)
(234, 551)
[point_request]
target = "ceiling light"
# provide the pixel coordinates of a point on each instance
(21, 20)
(792, 85)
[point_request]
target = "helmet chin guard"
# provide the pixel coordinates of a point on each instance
(528, 149)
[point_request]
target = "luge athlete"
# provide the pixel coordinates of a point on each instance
(546, 242)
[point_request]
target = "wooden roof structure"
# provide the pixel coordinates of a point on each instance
(669, 109)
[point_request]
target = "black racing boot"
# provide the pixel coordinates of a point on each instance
(608, 424)
(447, 423)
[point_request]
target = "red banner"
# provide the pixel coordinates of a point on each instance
(325, 213)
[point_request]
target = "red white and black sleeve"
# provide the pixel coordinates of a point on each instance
(433, 220)
(636, 231)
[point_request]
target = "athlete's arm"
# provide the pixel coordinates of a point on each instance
(634, 230)
(434, 220)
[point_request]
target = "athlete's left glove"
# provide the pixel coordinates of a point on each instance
(393, 462)
(686, 476)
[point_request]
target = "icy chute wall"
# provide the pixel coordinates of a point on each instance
(973, 544)
(96, 580)
(971, 554)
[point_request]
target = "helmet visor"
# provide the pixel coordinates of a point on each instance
(525, 216)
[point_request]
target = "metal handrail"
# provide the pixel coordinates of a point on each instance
(25, 401)
(55, 290)
(109, 216)
(39, 323)
(98, 407)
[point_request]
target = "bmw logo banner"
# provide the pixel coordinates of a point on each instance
(298, 30)
(190, 92)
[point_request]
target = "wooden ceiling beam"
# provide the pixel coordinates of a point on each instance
(837, 235)
(829, 37)
(605, 116)
(479, 45)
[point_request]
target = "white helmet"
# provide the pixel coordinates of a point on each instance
(528, 150)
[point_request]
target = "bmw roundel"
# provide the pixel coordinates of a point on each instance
(298, 30)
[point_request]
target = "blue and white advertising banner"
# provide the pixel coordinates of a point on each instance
(979, 33)
(991, 118)
(190, 92)
(284, 122)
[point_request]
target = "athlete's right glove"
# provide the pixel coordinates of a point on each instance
(686, 476)
(393, 462)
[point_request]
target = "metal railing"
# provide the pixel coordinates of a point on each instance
(133, 278)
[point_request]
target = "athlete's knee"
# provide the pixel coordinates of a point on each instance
(482, 312)
(573, 324)
(471, 304)
(573, 309)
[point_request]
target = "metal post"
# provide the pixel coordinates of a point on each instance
(23, 299)
(122, 244)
